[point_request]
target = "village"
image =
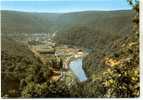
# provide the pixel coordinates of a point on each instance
(63, 54)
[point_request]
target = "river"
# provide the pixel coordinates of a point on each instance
(76, 67)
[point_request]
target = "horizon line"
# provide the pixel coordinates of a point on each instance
(62, 11)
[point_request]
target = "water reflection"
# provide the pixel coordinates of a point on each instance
(76, 67)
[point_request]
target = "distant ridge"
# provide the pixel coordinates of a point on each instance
(27, 22)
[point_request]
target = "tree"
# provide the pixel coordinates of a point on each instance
(135, 6)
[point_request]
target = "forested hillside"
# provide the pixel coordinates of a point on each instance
(24, 75)
(16, 59)
(98, 27)
(23, 22)
(113, 71)
(115, 74)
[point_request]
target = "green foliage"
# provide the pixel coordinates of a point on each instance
(116, 70)
(34, 90)
(117, 74)
(18, 62)
(22, 22)
(46, 89)
(24, 76)
(97, 27)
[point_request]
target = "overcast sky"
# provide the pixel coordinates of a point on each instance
(64, 5)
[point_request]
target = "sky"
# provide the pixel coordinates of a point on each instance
(60, 6)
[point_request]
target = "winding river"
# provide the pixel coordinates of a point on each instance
(76, 67)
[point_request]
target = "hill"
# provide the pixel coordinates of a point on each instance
(26, 22)
(23, 74)
(113, 74)
(91, 28)
(16, 59)
(23, 22)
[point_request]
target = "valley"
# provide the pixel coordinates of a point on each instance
(45, 49)
(78, 54)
